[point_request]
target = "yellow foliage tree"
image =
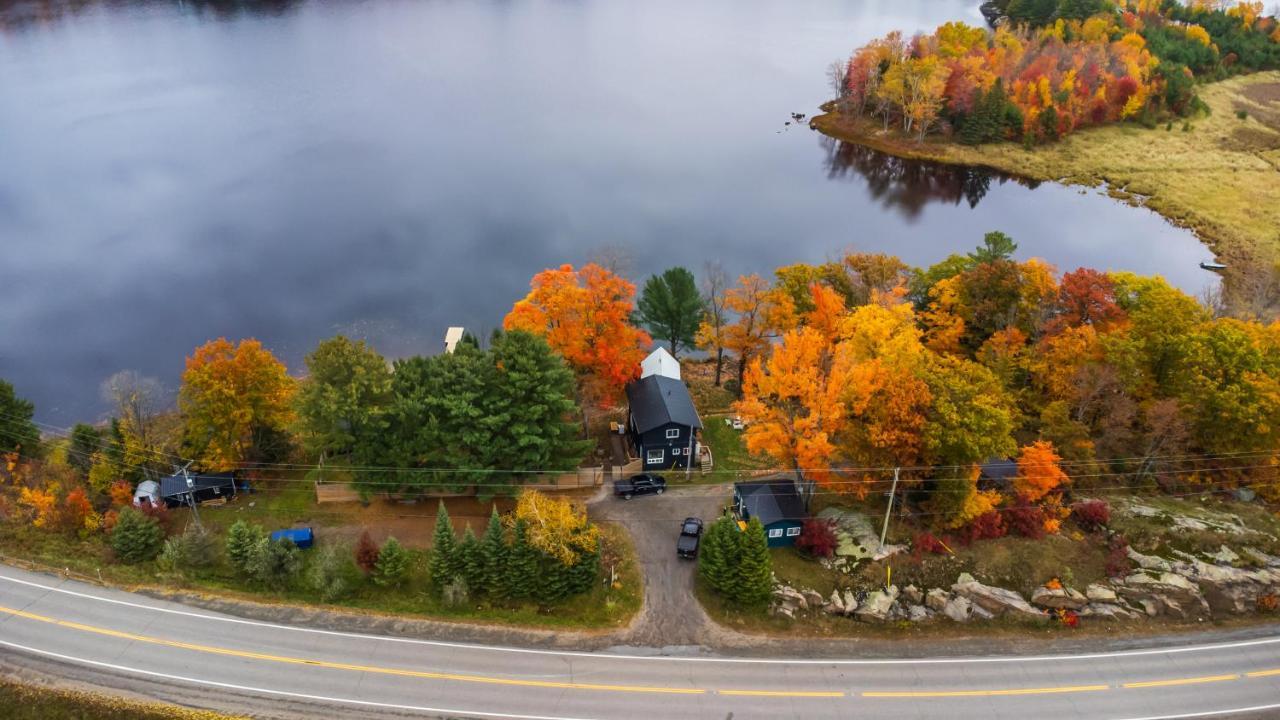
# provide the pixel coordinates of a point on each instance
(556, 526)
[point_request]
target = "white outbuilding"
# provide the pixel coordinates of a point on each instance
(147, 493)
(660, 362)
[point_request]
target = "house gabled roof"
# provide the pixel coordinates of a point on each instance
(999, 469)
(176, 485)
(658, 400)
(771, 500)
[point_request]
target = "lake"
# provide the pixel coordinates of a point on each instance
(172, 172)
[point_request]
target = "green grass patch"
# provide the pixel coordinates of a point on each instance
(29, 702)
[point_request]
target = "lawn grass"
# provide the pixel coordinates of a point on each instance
(1219, 178)
(30, 702)
(729, 452)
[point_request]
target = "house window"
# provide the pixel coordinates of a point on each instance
(673, 433)
(793, 531)
(675, 451)
(653, 457)
(775, 532)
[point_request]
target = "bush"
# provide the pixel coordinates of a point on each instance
(1091, 515)
(393, 564)
(136, 538)
(1118, 562)
(160, 513)
(927, 543)
(1025, 520)
(1243, 115)
(987, 526)
(332, 573)
(195, 548)
(366, 553)
(275, 563)
(817, 538)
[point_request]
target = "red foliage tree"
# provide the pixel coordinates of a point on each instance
(817, 538)
(1091, 515)
(366, 552)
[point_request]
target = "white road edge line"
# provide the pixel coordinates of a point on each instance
(284, 693)
(665, 658)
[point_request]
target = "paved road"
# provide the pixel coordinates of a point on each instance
(121, 640)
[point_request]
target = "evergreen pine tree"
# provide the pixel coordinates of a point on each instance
(393, 564)
(243, 540)
(754, 569)
(444, 551)
(494, 553)
(584, 573)
(552, 581)
(522, 568)
(471, 561)
(136, 537)
(719, 555)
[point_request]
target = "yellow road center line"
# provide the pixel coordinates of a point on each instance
(781, 693)
(985, 693)
(1263, 673)
(1181, 681)
(345, 666)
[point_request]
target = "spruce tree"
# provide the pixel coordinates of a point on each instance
(494, 553)
(522, 569)
(136, 538)
(444, 551)
(471, 561)
(392, 565)
(718, 556)
(754, 569)
(243, 540)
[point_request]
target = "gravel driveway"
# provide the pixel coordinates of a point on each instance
(671, 615)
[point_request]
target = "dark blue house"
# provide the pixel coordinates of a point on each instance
(662, 423)
(776, 503)
(204, 487)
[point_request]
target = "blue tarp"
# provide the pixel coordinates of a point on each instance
(302, 537)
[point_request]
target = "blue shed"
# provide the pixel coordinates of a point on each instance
(776, 504)
(302, 537)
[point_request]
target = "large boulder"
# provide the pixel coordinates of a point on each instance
(936, 599)
(1229, 589)
(997, 601)
(1106, 611)
(1149, 562)
(835, 605)
(850, 602)
(812, 598)
(1099, 593)
(878, 605)
(916, 613)
(1164, 593)
(789, 596)
(911, 594)
(958, 609)
(1063, 598)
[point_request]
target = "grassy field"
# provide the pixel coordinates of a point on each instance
(1221, 177)
(29, 702)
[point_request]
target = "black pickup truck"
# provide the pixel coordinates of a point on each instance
(642, 484)
(690, 537)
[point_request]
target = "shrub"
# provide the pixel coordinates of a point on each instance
(160, 513)
(927, 543)
(136, 538)
(393, 564)
(332, 573)
(817, 538)
(1243, 115)
(987, 526)
(194, 548)
(1091, 515)
(1118, 562)
(1026, 520)
(366, 553)
(243, 540)
(275, 563)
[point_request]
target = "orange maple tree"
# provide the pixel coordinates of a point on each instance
(585, 316)
(1038, 472)
(762, 312)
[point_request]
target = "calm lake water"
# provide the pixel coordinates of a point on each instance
(174, 171)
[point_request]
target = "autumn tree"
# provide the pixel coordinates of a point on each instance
(556, 526)
(136, 442)
(584, 315)
(344, 398)
(761, 313)
(1038, 472)
(18, 434)
(715, 317)
(236, 403)
(1086, 297)
(671, 308)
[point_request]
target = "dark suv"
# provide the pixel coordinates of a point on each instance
(690, 535)
(642, 484)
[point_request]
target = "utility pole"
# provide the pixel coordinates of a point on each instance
(688, 457)
(884, 531)
(191, 494)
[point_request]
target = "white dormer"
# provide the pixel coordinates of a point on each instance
(660, 362)
(451, 338)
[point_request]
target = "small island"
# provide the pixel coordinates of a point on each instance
(1174, 107)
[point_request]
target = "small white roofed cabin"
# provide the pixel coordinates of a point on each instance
(660, 362)
(451, 338)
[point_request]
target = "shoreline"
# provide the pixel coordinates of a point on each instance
(1231, 204)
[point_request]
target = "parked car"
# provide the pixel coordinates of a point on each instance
(690, 537)
(642, 484)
